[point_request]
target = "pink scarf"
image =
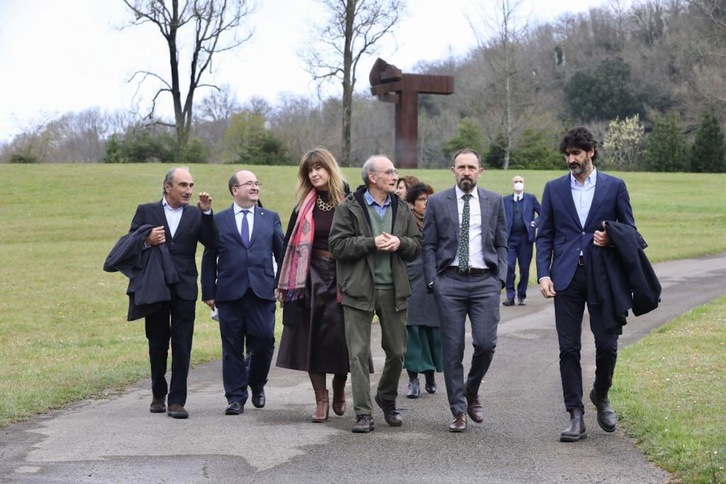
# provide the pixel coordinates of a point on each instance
(296, 264)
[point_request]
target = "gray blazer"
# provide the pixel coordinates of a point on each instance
(441, 233)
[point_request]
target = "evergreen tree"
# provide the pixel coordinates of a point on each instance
(537, 151)
(468, 135)
(708, 154)
(666, 148)
(607, 92)
(494, 156)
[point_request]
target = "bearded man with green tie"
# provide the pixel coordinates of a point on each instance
(465, 265)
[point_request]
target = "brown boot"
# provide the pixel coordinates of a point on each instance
(322, 407)
(339, 396)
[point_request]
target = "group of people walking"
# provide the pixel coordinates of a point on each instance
(422, 262)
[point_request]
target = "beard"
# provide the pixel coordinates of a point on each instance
(466, 184)
(577, 168)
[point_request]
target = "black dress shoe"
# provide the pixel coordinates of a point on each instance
(459, 423)
(258, 399)
(606, 418)
(430, 382)
(234, 408)
(576, 430)
(177, 411)
(474, 408)
(508, 302)
(414, 389)
(157, 405)
(363, 424)
(522, 301)
(390, 413)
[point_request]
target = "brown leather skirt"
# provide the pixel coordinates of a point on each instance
(314, 340)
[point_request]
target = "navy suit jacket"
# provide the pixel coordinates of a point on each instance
(193, 227)
(229, 268)
(561, 237)
(441, 233)
(530, 206)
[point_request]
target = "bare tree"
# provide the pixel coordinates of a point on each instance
(352, 31)
(215, 27)
(710, 49)
(511, 81)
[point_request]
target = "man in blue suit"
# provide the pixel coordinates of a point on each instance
(574, 208)
(238, 279)
(465, 264)
(520, 209)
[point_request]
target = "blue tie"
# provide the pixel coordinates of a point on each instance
(245, 233)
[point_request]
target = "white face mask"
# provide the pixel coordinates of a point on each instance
(519, 186)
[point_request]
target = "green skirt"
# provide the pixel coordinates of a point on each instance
(423, 350)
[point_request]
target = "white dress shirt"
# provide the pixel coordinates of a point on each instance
(173, 216)
(476, 246)
(582, 195)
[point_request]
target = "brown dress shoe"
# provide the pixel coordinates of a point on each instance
(157, 405)
(473, 408)
(177, 411)
(459, 423)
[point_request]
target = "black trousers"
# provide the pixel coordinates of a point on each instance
(569, 311)
(174, 323)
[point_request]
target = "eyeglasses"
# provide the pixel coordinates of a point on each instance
(388, 172)
(249, 184)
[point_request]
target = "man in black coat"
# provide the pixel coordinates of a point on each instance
(180, 227)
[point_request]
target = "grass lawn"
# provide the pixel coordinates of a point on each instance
(64, 336)
(670, 393)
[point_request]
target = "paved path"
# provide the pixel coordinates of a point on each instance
(118, 440)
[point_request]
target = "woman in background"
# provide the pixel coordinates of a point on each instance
(313, 334)
(423, 350)
(403, 184)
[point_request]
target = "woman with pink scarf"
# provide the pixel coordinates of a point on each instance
(313, 335)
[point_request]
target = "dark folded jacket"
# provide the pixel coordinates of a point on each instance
(621, 277)
(150, 271)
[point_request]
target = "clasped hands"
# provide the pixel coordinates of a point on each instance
(387, 242)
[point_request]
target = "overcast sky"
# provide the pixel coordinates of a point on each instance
(70, 55)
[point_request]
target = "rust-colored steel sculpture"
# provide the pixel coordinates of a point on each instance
(389, 84)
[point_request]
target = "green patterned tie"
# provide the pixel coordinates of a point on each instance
(464, 236)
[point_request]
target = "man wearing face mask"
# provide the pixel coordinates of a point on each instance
(520, 209)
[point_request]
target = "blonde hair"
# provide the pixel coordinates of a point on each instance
(325, 159)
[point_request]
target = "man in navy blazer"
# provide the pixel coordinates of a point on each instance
(465, 265)
(180, 227)
(238, 279)
(520, 209)
(574, 208)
